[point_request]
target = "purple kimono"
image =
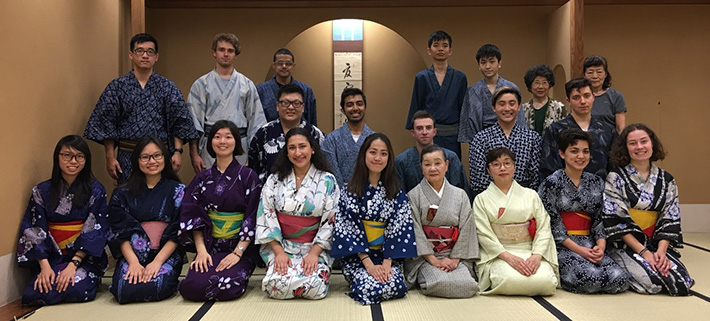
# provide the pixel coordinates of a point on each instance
(237, 190)
(37, 242)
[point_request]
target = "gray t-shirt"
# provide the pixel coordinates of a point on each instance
(608, 105)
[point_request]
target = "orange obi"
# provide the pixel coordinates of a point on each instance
(442, 238)
(646, 220)
(577, 223)
(154, 230)
(65, 232)
(301, 229)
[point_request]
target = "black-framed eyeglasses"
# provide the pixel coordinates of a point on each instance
(285, 103)
(140, 51)
(67, 157)
(146, 158)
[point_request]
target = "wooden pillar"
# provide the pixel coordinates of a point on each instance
(576, 37)
(137, 16)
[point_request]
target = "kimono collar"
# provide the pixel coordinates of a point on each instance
(216, 172)
(310, 175)
(513, 189)
(430, 193)
(636, 176)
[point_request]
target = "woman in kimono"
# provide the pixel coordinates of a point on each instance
(445, 232)
(373, 229)
(144, 215)
(64, 230)
(518, 254)
(541, 111)
(295, 220)
(218, 218)
(642, 215)
(573, 198)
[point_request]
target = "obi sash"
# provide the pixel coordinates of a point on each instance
(577, 223)
(375, 232)
(515, 233)
(442, 238)
(301, 229)
(225, 225)
(154, 230)
(65, 233)
(646, 220)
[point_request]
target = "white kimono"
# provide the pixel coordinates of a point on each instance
(495, 210)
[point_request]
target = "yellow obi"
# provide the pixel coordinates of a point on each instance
(65, 233)
(512, 233)
(646, 220)
(375, 232)
(225, 225)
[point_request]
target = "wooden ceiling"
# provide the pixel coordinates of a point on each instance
(389, 3)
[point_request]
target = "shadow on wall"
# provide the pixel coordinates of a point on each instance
(389, 65)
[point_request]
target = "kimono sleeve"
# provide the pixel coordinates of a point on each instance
(543, 242)
(35, 243)
(252, 189)
(267, 224)
(329, 148)
(253, 111)
(400, 241)
(123, 225)
(668, 225)
(466, 246)
(324, 237)
(534, 164)
(197, 104)
(487, 239)
(311, 112)
(549, 191)
(550, 160)
(480, 179)
(173, 229)
(180, 123)
(192, 214)
(95, 232)
(418, 99)
(424, 247)
(617, 221)
(348, 237)
(466, 121)
(256, 152)
(103, 122)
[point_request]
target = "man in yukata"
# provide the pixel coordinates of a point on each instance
(269, 139)
(140, 104)
(223, 93)
(581, 99)
(408, 163)
(342, 145)
(440, 91)
(283, 65)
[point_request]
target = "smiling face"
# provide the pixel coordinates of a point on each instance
(576, 156)
(224, 54)
(290, 113)
(440, 50)
(299, 152)
(71, 162)
(223, 143)
(434, 167)
(507, 108)
(489, 66)
(283, 66)
(540, 87)
(147, 162)
(354, 108)
(639, 145)
(376, 156)
(502, 170)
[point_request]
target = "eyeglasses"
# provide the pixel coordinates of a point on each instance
(145, 157)
(284, 63)
(541, 83)
(67, 157)
(498, 165)
(140, 51)
(285, 103)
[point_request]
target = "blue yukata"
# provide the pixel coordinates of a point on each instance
(213, 197)
(443, 102)
(603, 134)
(341, 150)
(130, 216)
(214, 98)
(390, 236)
(268, 93)
(523, 142)
(268, 141)
(125, 111)
(39, 240)
(409, 169)
(477, 111)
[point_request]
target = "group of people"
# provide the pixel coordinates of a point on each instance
(536, 213)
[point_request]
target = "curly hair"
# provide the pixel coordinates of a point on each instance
(619, 154)
(539, 71)
(283, 166)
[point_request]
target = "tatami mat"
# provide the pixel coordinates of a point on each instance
(697, 263)
(699, 239)
(416, 306)
(255, 305)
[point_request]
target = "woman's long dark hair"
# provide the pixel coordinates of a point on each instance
(137, 180)
(361, 174)
(84, 179)
(283, 166)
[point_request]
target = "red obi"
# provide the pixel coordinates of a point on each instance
(301, 229)
(577, 223)
(441, 238)
(154, 230)
(64, 233)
